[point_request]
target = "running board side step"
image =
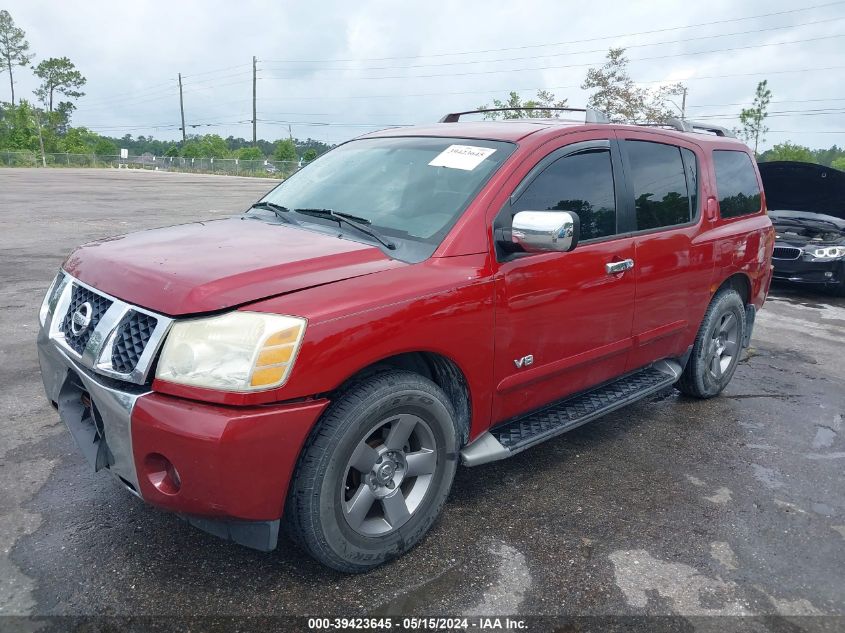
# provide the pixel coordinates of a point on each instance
(515, 436)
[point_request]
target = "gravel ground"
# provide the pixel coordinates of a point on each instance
(732, 506)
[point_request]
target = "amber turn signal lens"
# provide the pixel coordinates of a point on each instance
(268, 375)
(281, 338)
(274, 355)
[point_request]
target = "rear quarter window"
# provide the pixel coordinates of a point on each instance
(736, 184)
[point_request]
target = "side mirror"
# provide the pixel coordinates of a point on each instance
(546, 231)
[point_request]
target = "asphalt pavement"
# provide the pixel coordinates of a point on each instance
(732, 506)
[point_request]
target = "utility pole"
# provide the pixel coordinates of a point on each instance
(40, 138)
(182, 108)
(684, 104)
(254, 136)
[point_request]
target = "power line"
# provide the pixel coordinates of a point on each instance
(284, 122)
(333, 124)
(581, 65)
(773, 115)
(248, 120)
(156, 94)
(592, 39)
(745, 103)
(168, 126)
(806, 132)
(489, 91)
(519, 90)
(581, 52)
(247, 73)
(167, 85)
(216, 70)
(154, 89)
(128, 97)
(167, 95)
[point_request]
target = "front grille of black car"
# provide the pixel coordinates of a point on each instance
(786, 252)
(131, 338)
(99, 304)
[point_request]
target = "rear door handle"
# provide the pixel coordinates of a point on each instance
(614, 268)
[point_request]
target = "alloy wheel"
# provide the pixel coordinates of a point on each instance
(724, 345)
(388, 475)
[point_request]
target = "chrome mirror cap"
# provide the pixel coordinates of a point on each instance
(546, 231)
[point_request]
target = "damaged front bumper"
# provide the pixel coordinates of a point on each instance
(224, 470)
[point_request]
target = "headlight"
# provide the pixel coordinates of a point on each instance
(829, 252)
(238, 351)
(49, 299)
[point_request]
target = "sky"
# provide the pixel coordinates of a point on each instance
(336, 69)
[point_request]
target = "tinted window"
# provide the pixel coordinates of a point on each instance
(736, 183)
(660, 184)
(582, 183)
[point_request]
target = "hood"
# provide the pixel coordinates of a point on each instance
(806, 187)
(208, 266)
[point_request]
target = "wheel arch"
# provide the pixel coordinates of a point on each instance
(739, 282)
(440, 369)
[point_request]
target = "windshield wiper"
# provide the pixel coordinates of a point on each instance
(278, 209)
(352, 220)
(270, 206)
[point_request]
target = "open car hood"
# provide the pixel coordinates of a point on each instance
(807, 187)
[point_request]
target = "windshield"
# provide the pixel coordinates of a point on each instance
(411, 189)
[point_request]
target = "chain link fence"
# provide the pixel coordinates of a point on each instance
(224, 166)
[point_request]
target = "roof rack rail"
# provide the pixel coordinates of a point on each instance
(591, 115)
(691, 126)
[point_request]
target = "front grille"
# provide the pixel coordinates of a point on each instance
(786, 252)
(99, 305)
(132, 336)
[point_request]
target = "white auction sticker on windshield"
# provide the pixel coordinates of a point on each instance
(466, 157)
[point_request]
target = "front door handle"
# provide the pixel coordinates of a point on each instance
(614, 268)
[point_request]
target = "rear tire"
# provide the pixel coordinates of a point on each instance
(375, 472)
(717, 347)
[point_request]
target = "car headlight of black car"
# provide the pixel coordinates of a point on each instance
(828, 252)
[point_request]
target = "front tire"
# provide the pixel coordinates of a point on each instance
(375, 472)
(717, 347)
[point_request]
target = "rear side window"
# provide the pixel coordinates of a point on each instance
(660, 184)
(582, 183)
(736, 183)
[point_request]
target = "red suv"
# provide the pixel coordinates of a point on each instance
(412, 298)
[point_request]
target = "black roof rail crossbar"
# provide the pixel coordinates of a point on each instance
(691, 126)
(591, 115)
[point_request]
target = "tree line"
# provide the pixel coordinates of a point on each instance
(215, 146)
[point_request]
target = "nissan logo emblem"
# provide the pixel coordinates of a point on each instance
(81, 319)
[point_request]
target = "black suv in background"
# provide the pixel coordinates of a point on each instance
(807, 207)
